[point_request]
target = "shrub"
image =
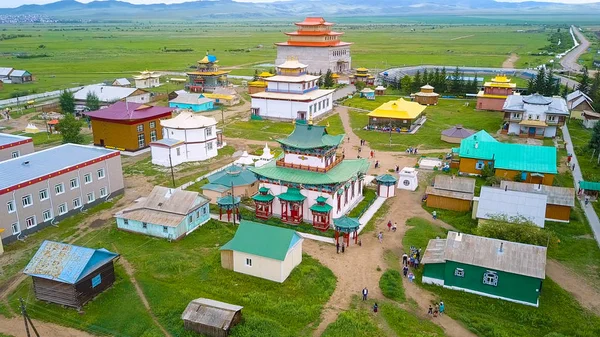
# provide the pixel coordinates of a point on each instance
(391, 285)
(515, 229)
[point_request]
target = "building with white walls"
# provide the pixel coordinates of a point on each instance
(534, 116)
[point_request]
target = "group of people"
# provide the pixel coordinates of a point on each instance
(391, 227)
(412, 150)
(413, 259)
(437, 310)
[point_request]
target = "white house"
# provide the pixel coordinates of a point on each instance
(147, 79)
(263, 251)
(121, 82)
(292, 94)
(186, 137)
(534, 116)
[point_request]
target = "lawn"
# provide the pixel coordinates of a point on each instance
(558, 312)
(369, 195)
(446, 114)
(172, 274)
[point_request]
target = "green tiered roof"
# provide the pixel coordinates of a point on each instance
(321, 206)
(386, 179)
(292, 194)
(346, 224)
(228, 200)
(263, 195)
(306, 136)
(341, 173)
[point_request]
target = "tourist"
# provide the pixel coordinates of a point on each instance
(380, 237)
(394, 227)
(389, 225)
(411, 277)
(434, 213)
(573, 167)
(416, 150)
(397, 169)
(436, 310)
(404, 259)
(365, 293)
(337, 247)
(430, 311)
(359, 149)
(359, 242)
(416, 263)
(405, 270)
(442, 308)
(372, 154)
(375, 307)
(587, 200)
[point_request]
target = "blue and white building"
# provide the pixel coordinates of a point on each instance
(194, 102)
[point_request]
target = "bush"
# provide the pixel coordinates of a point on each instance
(391, 285)
(515, 229)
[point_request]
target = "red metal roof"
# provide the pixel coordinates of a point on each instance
(129, 111)
(314, 21)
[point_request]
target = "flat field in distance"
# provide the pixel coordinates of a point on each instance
(67, 55)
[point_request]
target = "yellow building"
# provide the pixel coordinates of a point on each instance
(494, 93)
(260, 84)
(362, 75)
(399, 114)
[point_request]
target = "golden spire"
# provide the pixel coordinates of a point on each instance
(310, 119)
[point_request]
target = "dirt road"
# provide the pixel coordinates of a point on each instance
(569, 61)
(511, 61)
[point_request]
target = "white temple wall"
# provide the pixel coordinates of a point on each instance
(318, 59)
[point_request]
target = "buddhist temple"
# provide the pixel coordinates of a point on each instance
(315, 44)
(311, 182)
(426, 96)
(147, 79)
(494, 93)
(207, 76)
(362, 75)
(260, 84)
(400, 115)
(292, 94)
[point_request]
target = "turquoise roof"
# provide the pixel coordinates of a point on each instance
(215, 187)
(306, 136)
(235, 174)
(589, 185)
(341, 173)
(228, 200)
(262, 240)
(346, 224)
(263, 197)
(517, 157)
(386, 179)
(292, 194)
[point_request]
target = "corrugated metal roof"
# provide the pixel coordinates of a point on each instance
(563, 196)
(105, 93)
(210, 313)
(5, 71)
(235, 174)
(451, 183)
(498, 202)
(40, 163)
(556, 105)
(66, 263)
(262, 240)
(342, 172)
(122, 81)
(187, 98)
(129, 111)
(589, 185)
(434, 252)
(6, 138)
(19, 73)
(399, 109)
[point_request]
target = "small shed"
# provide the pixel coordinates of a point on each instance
(452, 193)
(211, 318)
(380, 90)
(426, 96)
(500, 202)
(589, 188)
(408, 179)
(70, 275)
(456, 133)
(367, 93)
(590, 118)
(386, 184)
(121, 82)
(560, 199)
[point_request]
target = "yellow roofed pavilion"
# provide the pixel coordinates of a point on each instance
(500, 81)
(399, 109)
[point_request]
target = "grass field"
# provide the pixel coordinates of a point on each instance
(443, 116)
(558, 312)
(173, 273)
(91, 53)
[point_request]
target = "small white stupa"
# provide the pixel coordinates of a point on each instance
(266, 153)
(407, 179)
(31, 128)
(245, 159)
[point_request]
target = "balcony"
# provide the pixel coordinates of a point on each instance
(338, 160)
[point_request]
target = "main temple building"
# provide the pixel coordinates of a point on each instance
(315, 44)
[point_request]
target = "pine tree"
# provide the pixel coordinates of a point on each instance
(550, 85)
(455, 84)
(416, 82)
(594, 92)
(531, 86)
(540, 81)
(425, 77)
(436, 78)
(255, 78)
(595, 140)
(328, 82)
(443, 85)
(565, 91)
(556, 87)
(584, 83)
(406, 85)
(398, 83)
(67, 102)
(320, 80)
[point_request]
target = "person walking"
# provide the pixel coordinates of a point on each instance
(365, 293)
(434, 213)
(430, 311)
(436, 310)
(372, 154)
(375, 307)
(587, 200)
(442, 308)
(405, 270)
(389, 225)
(380, 237)
(405, 259)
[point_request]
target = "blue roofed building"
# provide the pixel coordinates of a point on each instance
(70, 275)
(243, 182)
(194, 102)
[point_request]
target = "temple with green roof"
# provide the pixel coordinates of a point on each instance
(310, 182)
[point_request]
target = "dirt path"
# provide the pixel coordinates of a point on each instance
(461, 37)
(15, 327)
(585, 293)
(130, 272)
(511, 61)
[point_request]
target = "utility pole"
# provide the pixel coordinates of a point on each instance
(171, 164)
(27, 320)
(233, 204)
(223, 117)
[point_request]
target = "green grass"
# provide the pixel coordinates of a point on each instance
(558, 311)
(302, 227)
(403, 323)
(460, 220)
(265, 130)
(369, 197)
(443, 116)
(353, 323)
(390, 284)
(588, 162)
(380, 215)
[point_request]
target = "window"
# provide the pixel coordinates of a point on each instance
(178, 151)
(103, 192)
(43, 194)
(27, 200)
(62, 208)
(537, 117)
(100, 173)
(59, 189)
(76, 203)
(15, 228)
(47, 215)
(490, 278)
(152, 125)
(141, 140)
(87, 178)
(165, 229)
(74, 183)
(190, 218)
(208, 132)
(248, 262)
(30, 222)
(125, 222)
(203, 211)
(96, 280)
(459, 272)
(153, 135)
(15, 154)
(209, 146)
(197, 214)
(91, 197)
(10, 206)
(144, 225)
(140, 128)
(480, 164)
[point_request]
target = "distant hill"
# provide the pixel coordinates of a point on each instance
(228, 9)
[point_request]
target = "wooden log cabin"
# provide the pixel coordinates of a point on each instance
(70, 275)
(452, 193)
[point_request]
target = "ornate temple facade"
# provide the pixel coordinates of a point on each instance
(315, 44)
(494, 93)
(207, 76)
(310, 182)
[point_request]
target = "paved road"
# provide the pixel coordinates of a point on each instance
(590, 213)
(343, 92)
(569, 61)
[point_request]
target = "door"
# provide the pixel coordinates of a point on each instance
(301, 115)
(102, 142)
(295, 211)
(531, 132)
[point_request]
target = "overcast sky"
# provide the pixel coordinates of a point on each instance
(16, 3)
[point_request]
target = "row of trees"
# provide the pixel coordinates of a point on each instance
(455, 83)
(544, 84)
(591, 87)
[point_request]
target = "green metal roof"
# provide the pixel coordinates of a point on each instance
(321, 208)
(292, 194)
(517, 157)
(228, 200)
(589, 185)
(263, 197)
(386, 178)
(235, 174)
(263, 190)
(307, 136)
(346, 224)
(342, 172)
(262, 240)
(321, 199)
(215, 187)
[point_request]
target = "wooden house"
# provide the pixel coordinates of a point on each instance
(452, 193)
(263, 251)
(70, 275)
(559, 202)
(165, 213)
(590, 118)
(578, 102)
(128, 126)
(211, 318)
(426, 96)
(529, 163)
(121, 82)
(589, 188)
(488, 267)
